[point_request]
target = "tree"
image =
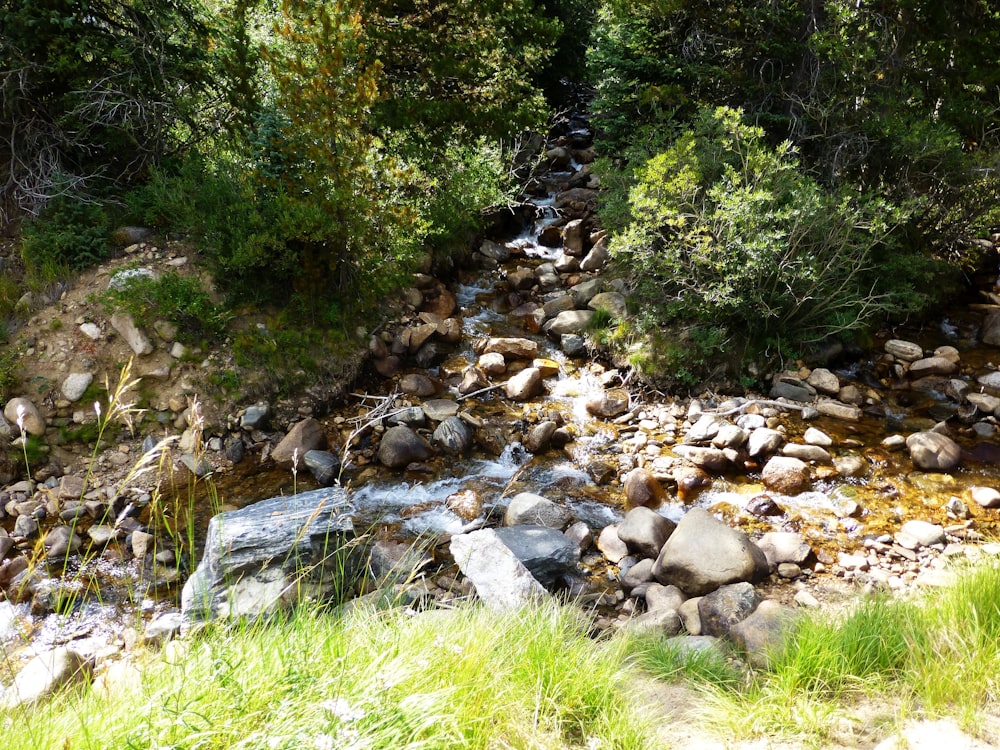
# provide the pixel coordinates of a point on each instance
(95, 92)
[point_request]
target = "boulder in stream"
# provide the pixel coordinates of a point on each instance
(400, 446)
(271, 554)
(932, 451)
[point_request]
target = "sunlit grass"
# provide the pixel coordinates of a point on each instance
(466, 678)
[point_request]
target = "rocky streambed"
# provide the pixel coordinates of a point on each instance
(494, 454)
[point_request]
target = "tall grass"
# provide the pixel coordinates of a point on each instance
(466, 678)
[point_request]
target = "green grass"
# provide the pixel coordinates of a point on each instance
(536, 678)
(466, 678)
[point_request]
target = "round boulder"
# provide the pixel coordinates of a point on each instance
(932, 451)
(786, 475)
(401, 446)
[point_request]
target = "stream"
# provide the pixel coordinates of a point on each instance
(450, 494)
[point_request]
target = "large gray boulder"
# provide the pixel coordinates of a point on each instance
(932, 451)
(549, 554)
(271, 554)
(645, 531)
(704, 553)
(527, 508)
(501, 580)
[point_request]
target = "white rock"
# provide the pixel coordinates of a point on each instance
(128, 330)
(91, 331)
(76, 384)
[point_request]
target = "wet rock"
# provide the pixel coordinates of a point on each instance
(904, 350)
(495, 251)
(932, 451)
(305, 435)
(453, 436)
(411, 416)
(569, 321)
(440, 409)
(762, 633)
(793, 389)
(501, 580)
(645, 531)
(764, 506)
(21, 411)
(400, 446)
(75, 385)
(991, 329)
(932, 366)
(546, 552)
(573, 345)
(726, 606)
(323, 465)
(824, 381)
(609, 404)
(813, 436)
(986, 497)
(44, 674)
(466, 504)
(786, 475)
(271, 554)
(525, 385)
(539, 437)
(984, 402)
(851, 466)
(137, 341)
(812, 453)
(642, 488)
(521, 278)
(417, 384)
(704, 553)
(713, 460)
(690, 479)
(580, 533)
(838, 410)
(492, 363)
(512, 348)
(529, 508)
(473, 379)
(764, 442)
(420, 335)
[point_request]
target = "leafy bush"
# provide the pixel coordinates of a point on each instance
(727, 234)
(172, 297)
(67, 234)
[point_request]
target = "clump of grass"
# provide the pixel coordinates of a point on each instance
(465, 678)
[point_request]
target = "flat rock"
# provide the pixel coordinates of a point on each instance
(271, 554)
(512, 348)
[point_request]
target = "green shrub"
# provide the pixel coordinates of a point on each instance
(727, 234)
(67, 234)
(171, 297)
